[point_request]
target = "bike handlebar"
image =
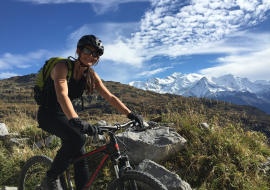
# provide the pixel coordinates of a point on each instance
(115, 127)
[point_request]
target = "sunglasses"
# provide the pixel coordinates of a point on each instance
(88, 51)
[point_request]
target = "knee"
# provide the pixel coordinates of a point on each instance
(79, 139)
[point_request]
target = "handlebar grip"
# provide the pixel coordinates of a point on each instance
(101, 131)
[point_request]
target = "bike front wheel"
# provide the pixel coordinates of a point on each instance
(136, 180)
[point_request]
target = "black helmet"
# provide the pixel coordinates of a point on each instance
(91, 40)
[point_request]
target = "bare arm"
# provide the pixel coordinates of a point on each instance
(59, 74)
(113, 100)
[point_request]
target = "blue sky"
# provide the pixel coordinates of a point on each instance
(142, 38)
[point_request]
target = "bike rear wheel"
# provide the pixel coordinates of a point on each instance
(136, 180)
(33, 172)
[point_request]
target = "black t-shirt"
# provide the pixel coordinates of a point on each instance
(75, 90)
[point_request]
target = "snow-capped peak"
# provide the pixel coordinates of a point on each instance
(200, 86)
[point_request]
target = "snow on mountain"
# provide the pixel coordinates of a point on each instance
(199, 85)
(210, 87)
(263, 82)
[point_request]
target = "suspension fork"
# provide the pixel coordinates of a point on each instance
(120, 173)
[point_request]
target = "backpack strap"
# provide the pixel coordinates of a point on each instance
(82, 103)
(70, 69)
(69, 64)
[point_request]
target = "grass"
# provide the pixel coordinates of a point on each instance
(226, 156)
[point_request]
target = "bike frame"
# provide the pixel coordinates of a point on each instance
(112, 152)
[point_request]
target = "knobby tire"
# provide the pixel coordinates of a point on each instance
(33, 172)
(142, 180)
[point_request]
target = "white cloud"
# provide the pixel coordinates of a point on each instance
(8, 60)
(110, 71)
(4, 75)
(178, 63)
(23, 66)
(151, 73)
(254, 66)
(99, 6)
(120, 53)
(180, 29)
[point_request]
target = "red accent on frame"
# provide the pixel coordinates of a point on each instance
(116, 146)
(93, 152)
(102, 162)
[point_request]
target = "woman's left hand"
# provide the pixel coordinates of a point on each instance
(137, 118)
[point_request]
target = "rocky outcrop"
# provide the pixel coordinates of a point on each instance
(155, 144)
(170, 180)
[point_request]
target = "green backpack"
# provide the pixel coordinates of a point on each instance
(43, 74)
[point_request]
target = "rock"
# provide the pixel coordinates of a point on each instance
(8, 136)
(205, 125)
(152, 124)
(167, 124)
(98, 138)
(3, 129)
(46, 142)
(9, 188)
(17, 141)
(155, 124)
(4, 135)
(155, 144)
(170, 180)
(262, 171)
(145, 124)
(101, 123)
(157, 119)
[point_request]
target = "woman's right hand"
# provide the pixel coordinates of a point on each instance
(83, 127)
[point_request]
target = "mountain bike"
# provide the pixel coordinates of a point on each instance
(34, 170)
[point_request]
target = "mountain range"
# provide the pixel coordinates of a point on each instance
(228, 88)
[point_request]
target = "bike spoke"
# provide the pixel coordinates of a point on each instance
(35, 175)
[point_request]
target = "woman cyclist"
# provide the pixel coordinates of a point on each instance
(57, 116)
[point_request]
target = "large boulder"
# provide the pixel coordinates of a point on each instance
(155, 144)
(167, 178)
